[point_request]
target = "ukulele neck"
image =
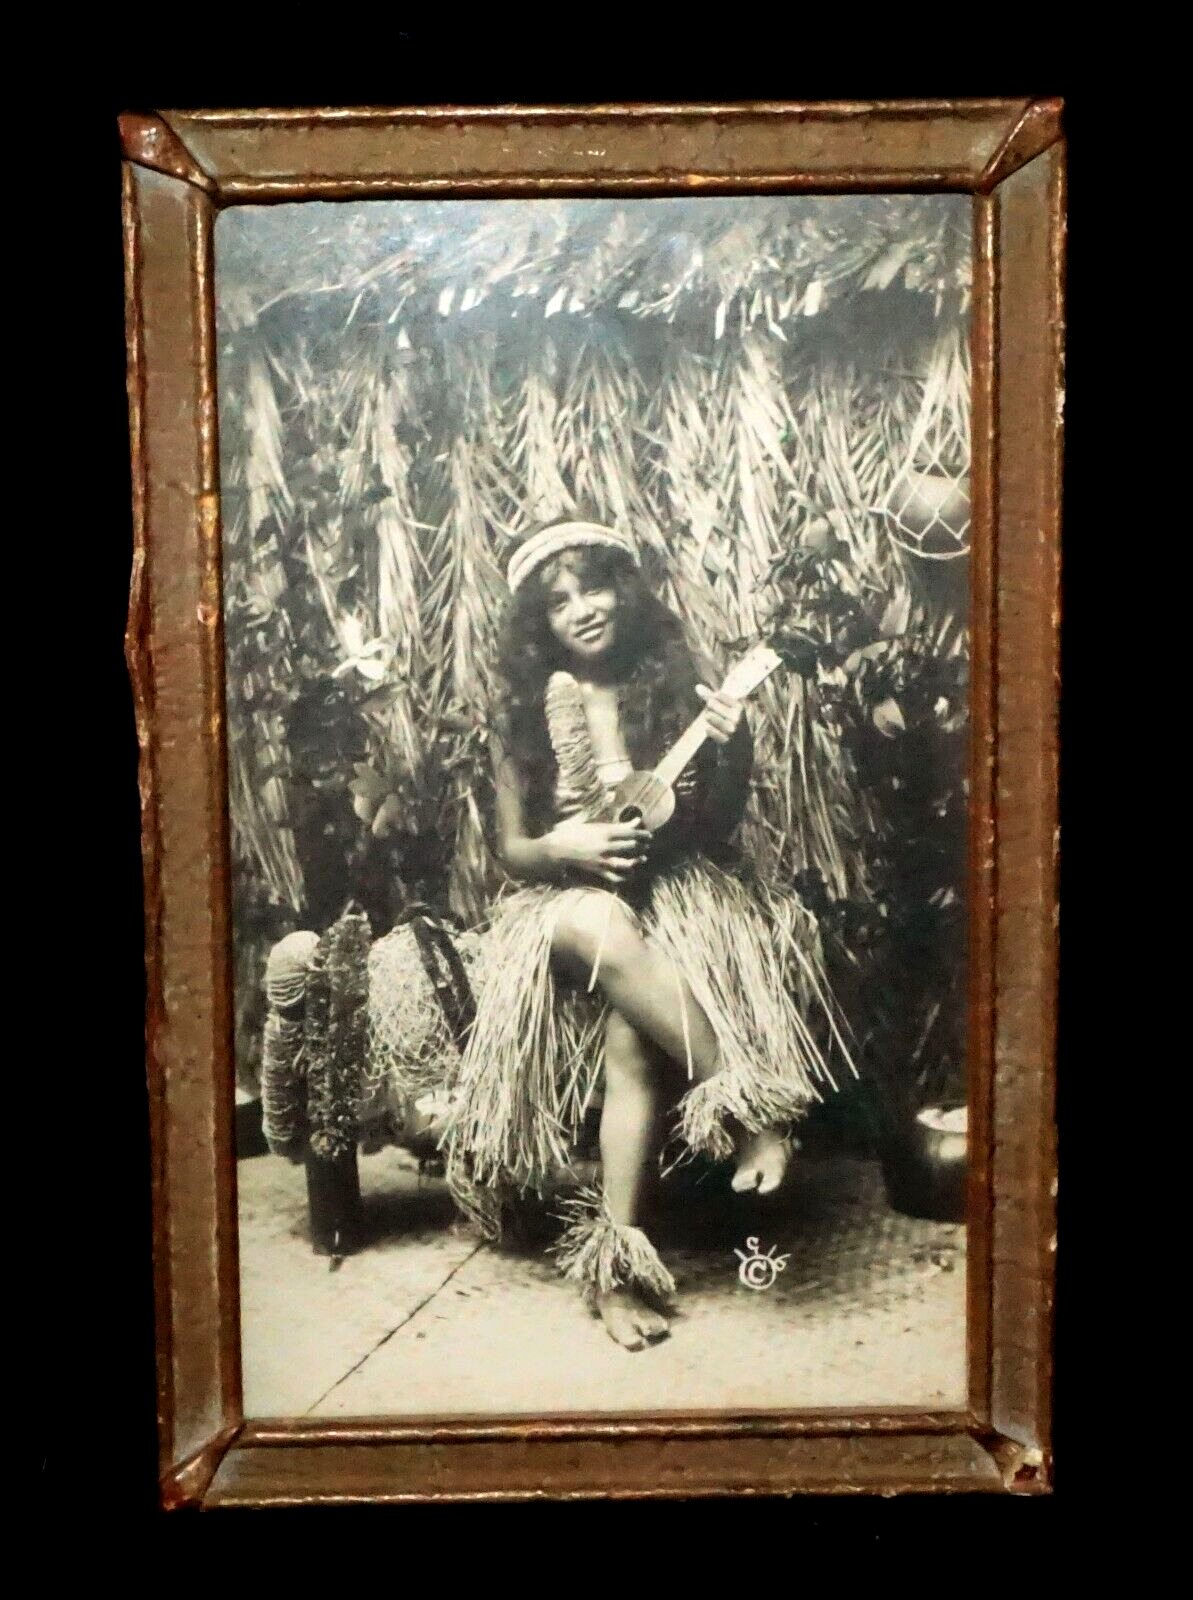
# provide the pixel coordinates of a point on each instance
(741, 681)
(682, 751)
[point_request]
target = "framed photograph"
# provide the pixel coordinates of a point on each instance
(593, 633)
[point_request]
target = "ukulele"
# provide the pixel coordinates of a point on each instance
(649, 797)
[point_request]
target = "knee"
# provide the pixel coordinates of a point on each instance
(287, 967)
(599, 924)
(621, 947)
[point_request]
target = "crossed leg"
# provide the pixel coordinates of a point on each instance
(654, 1011)
(638, 980)
(644, 987)
(631, 1125)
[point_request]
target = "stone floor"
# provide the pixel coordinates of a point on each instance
(868, 1312)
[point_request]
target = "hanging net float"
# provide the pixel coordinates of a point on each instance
(927, 505)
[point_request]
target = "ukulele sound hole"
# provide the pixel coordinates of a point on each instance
(630, 814)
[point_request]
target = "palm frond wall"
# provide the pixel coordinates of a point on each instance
(404, 386)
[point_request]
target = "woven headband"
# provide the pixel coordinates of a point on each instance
(540, 547)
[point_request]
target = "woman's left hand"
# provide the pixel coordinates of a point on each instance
(722, 713)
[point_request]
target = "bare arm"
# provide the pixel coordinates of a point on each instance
(524, 857)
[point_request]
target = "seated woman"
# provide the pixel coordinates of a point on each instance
(662, 970)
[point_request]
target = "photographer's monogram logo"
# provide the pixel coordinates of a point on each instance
(758, 1271)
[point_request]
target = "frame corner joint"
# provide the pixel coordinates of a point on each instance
(147, 140)
(1039, 126)
(1025, 1469)
(184, 1487)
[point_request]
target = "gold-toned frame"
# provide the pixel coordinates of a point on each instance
(180, 168)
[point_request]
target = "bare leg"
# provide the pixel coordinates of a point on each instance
(647, 990)
(630, 1124)
(640, 982)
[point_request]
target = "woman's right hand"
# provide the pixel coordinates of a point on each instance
(608, 850)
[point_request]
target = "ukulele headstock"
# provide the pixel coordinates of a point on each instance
(754, 668)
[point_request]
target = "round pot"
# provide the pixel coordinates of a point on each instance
(925, 1165)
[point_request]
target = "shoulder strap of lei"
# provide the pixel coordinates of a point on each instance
(581, 792)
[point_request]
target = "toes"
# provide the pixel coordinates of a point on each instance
(653, 1327)
(622, 1328)
(634, 1326)
(777, 1173)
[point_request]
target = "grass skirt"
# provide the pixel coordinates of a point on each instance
(535, 1055)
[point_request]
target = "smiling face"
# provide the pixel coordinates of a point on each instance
(581, 608)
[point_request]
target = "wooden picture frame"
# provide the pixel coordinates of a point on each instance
(180, 169)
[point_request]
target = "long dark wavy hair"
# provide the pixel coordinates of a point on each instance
(651, 664)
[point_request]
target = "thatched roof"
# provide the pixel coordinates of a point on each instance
(732, 261)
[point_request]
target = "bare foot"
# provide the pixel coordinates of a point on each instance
(762, 1162)
(629, 1320)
